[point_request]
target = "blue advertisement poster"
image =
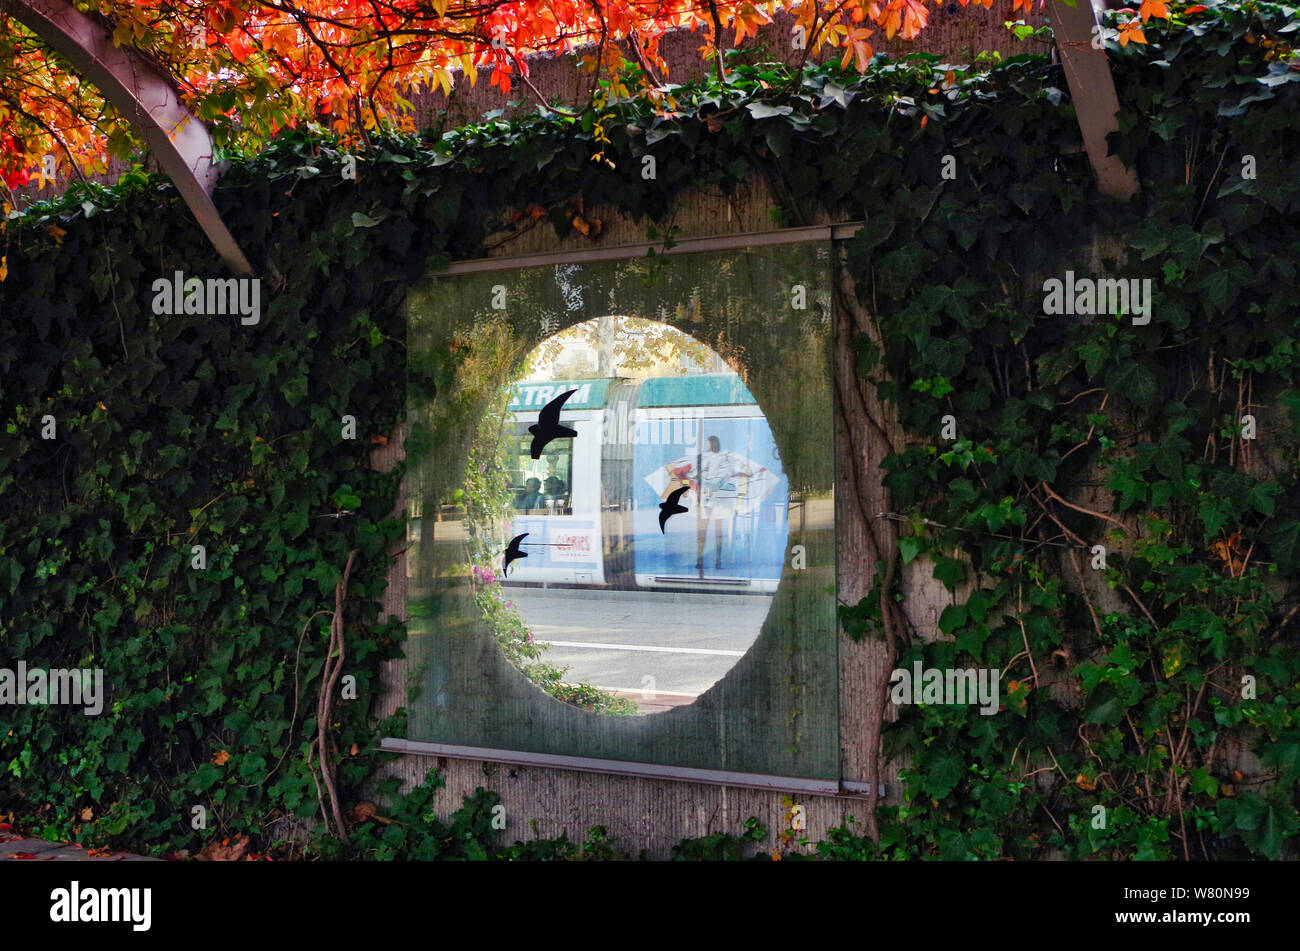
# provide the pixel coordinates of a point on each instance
(737, 499)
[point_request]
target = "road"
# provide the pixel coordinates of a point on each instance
(616, 639)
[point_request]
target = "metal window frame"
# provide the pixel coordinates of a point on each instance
(717, 242)
(841, 788)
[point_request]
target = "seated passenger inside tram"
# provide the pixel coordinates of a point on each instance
(530, 496)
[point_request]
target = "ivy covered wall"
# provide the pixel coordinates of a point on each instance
(173, 431)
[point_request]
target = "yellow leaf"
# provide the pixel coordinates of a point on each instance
(1173, 659)
(87, 814)
(4, 267)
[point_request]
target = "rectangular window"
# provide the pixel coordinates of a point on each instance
(657, 586)
(541, 486)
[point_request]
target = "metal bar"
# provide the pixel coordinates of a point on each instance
(1092, 89)
(722, 242)
(147, 99)
(586, 764)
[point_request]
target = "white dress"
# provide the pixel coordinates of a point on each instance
(720, 481)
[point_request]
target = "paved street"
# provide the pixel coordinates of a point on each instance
(615, 639)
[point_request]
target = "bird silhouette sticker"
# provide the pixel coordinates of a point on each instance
(670, 507)
(513, 552)
(548, 425)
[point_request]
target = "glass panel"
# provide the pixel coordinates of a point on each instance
(545, 591)
(666, 515)
(540, 487)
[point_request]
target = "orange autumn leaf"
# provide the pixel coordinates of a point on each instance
(221, 758)
(1230, 551)
(1153, 8)
(1132, 30)
(361, 812)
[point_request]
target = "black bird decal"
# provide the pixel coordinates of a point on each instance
(669, 507)
(548, 425)
(513, 552)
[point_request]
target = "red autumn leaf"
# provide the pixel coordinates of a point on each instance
(358, 61)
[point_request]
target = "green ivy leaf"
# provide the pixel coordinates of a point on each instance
(910, 546)
(1283, 540)
(952, 618)
(942, 774)
(761, 110)
(950, 571)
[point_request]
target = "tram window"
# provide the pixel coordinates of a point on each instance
(542, 486)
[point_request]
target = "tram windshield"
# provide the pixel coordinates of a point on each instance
(541, 486)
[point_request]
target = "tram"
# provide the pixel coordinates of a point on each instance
(591, 503)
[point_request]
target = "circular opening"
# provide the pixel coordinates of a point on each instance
(640, 521)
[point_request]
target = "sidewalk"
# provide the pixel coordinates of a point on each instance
(16, 848)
